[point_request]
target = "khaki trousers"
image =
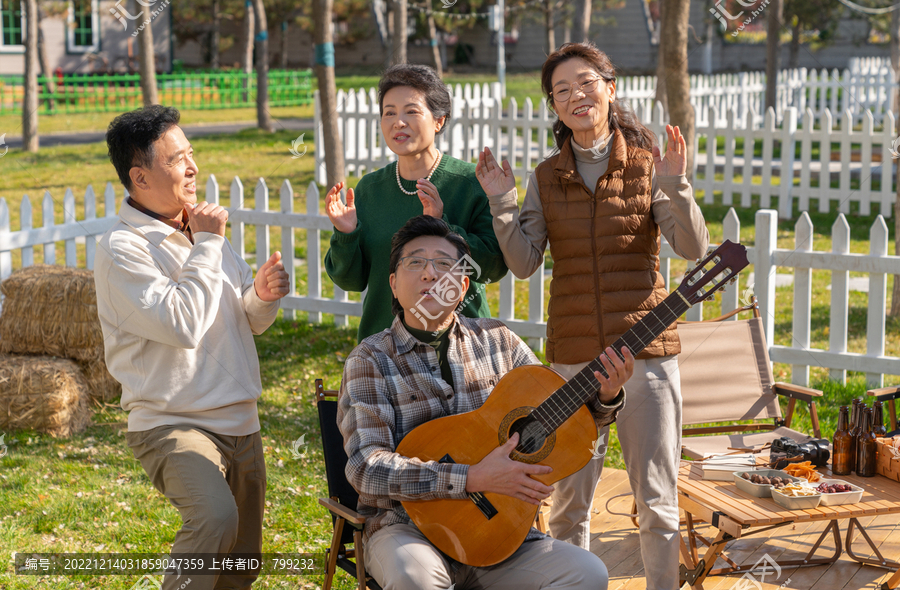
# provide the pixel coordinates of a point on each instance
(399, 557)
(218, 484)
(649, 430)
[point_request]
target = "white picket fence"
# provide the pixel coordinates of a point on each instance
(526, 139)
(863, 90)
(765, 256)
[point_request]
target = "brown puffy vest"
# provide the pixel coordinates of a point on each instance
(605, 248)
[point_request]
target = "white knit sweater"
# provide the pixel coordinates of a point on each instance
(178, 323)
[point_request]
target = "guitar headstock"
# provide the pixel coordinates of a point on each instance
(713, 272)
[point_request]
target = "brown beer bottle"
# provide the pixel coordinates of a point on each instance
(841, 461)
(854, 431)
(866, 448)
(878, 428)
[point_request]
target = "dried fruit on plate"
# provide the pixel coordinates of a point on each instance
(804, 470)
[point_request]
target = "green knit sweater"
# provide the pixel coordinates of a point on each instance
(361, 258)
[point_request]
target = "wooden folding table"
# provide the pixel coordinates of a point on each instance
(735, 514)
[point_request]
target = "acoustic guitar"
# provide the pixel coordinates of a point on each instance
(555, 428)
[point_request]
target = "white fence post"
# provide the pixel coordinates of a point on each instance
(236, 200)
(90, 213)
(26, 221)
(731, 230)
(286, 196)
(785, 194)
(840, 295)
(313, 252)
(803, 242)
(5, 255)
(875, 317)
(47, 217)
(764, 269)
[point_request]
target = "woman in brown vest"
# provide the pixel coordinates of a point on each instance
(601, 203)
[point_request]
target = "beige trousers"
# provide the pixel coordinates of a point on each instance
(649, 430)
(218, 484)
(399, 557)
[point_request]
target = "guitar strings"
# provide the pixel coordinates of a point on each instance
(560, 405)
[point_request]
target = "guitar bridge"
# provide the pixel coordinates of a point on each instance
(480, 501)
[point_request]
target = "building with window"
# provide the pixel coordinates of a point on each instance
(87, 36)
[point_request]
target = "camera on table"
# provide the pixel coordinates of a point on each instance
(786, 451)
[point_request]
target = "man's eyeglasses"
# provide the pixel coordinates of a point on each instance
(563, 96)
(417, 263)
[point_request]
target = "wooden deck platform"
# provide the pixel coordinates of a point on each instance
(616, 541)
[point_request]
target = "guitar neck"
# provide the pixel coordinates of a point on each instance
(566, 400)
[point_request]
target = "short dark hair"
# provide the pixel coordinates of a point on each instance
(423, 225)
(423, 79)
(130, 138)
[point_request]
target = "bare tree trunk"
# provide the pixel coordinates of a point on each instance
(263, 117)
(334, 149)
(284, 45)
(581, 21)
(147, 55)
(216, 34)
(548, 24)
(433, 39)
(773, 50)
(895, 62)
(30, 140)
(674, 43)
(247, 52)
(398, 41)
(45, 68)
(661, 96)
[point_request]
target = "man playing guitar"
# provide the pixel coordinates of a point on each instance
(434, 362)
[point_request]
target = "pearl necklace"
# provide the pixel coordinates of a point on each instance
(433, 168)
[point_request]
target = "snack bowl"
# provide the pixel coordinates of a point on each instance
(759, 490)
(797, 502)
(835, 499)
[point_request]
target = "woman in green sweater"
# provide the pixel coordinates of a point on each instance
(415, 107)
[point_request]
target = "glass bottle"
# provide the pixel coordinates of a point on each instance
(841, 461)
(866, 448)
(854, 431)
(878, 427)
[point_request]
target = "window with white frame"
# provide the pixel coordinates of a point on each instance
(12, 23)
(83, 31)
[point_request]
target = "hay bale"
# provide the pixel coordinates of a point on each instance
(44, 393)
(51, 310)
(102, 386)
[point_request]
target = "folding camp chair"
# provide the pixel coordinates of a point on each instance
(726, 377)
(342, 500)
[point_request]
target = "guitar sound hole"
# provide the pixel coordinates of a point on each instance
(531, 435)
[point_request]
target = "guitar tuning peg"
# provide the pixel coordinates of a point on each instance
(733, 280)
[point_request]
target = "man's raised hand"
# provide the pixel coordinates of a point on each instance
(207, 217)
(272, 281)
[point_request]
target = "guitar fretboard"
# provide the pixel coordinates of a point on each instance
(566, 400)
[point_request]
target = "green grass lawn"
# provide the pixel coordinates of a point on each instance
(87, 493)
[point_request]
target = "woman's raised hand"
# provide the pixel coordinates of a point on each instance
(494, 179)
(675, 161)
(430, 198)
(343, 217)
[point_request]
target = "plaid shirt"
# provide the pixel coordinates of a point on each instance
(392, 384)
